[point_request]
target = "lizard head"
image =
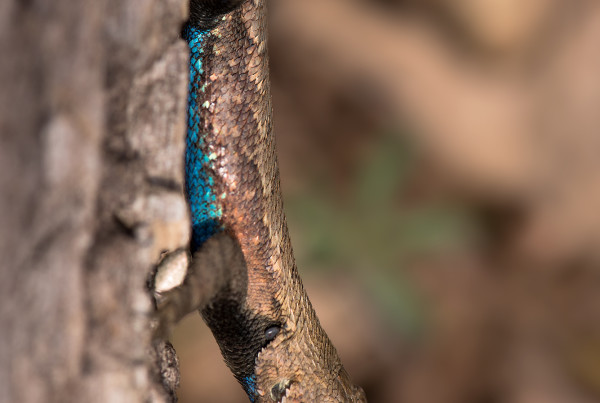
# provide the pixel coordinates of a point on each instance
(301, 365)
(273, 341)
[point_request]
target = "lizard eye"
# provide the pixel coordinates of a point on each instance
(271, 332)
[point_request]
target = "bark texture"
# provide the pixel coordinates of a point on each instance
(92, 119)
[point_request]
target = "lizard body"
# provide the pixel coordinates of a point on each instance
(262, 320)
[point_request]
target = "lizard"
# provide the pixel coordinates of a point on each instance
(259, 313)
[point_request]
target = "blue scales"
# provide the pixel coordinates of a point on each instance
(204, 207)
(249, 384)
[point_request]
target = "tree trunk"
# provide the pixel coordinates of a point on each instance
(92, 118)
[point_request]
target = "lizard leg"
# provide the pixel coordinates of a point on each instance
(217, 265)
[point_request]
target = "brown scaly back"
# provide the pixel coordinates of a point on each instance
(264, 323)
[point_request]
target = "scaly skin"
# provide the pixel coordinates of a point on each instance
(264, 323)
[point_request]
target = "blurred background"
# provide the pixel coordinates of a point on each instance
(440, 162)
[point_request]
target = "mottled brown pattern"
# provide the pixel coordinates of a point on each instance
(239, 122)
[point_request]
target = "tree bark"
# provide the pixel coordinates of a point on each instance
(92, 119)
